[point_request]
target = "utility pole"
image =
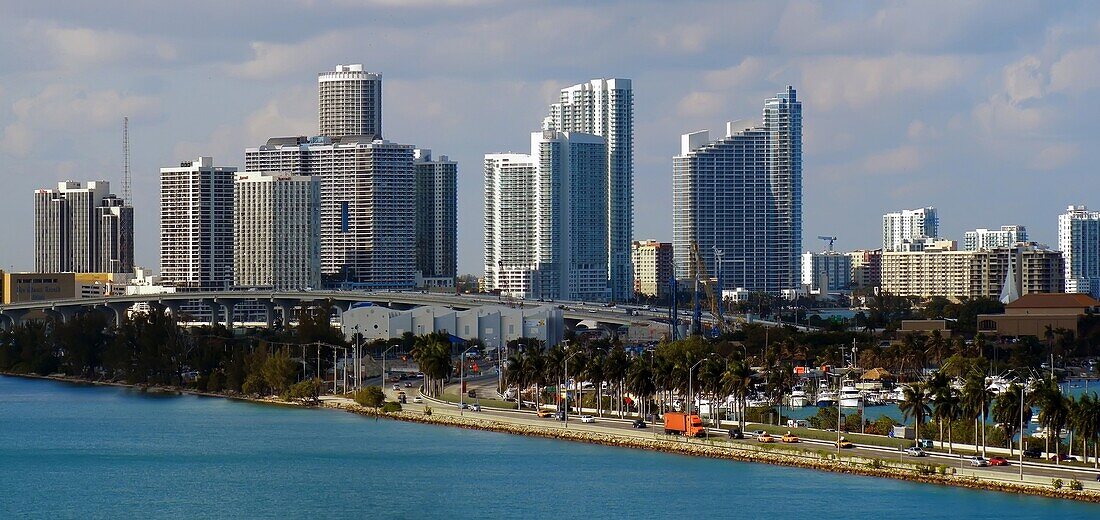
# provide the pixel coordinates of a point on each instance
(721, 297)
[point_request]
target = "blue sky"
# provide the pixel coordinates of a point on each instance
(983, 109)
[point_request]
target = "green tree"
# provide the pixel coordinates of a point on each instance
(278, 372)
(307, 391)
(370, 396)
(1007, 410)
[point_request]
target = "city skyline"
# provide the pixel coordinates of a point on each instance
(898, 110)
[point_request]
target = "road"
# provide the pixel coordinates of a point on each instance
(485, 386)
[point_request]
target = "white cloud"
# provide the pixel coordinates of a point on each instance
(849, 82)
(68, 109)
(999, 116)
(751, 69)
(82, 48)
(1076, 71)
(1025, 79)
(293, 112)
(1055, 156)
(698, 104)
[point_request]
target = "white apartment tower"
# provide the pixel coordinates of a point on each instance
(902, 228)
(605, 107)
(827, 271)
(83, 228)
(196, 225)
(509, 221)
(1007, 236)
(1079, 241)
(277, 229)
(546, 218)
(436, 216)
(742, 195)
(349, 102)
(368, 204)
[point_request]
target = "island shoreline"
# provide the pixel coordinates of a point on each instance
(676, 447)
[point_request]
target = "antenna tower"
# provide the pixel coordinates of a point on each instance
(126, 194)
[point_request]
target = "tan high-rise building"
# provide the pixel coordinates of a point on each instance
(652, 267)
(972, 274)
(866, 268)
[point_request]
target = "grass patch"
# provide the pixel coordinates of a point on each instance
(452, 397)
(822, 435)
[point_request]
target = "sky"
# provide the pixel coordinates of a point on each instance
(984, 109)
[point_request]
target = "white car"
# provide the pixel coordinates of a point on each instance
(979, 461)
(915, 451)
(418, 399)
(587, 419)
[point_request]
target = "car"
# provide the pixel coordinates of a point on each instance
(638, 424)
(463, 406)
(1033, 453)
(765, 438)
(587, 419)
(408, 384)
(736, 433)
(475, 407)
(418, 399)
(789, 438)
(844, 443)
(979, 461)
(758, 433)
(559, 415)
(1063, 458)
(998, 461)
(545, 413)
(915, 451)
(396, 387)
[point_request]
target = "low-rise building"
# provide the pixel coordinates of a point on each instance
(493, 325)
(866, 268)
(1032, 314)
(652, 261)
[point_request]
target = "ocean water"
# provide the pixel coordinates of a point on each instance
(72, 451)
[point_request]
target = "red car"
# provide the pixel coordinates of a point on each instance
(998, 461)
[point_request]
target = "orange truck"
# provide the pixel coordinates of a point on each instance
(684, 424)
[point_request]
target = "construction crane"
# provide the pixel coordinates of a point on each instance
(699, 273)
(830, 240)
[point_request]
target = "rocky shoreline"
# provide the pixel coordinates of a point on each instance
(820, 461)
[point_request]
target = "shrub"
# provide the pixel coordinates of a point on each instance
(308, 391)
(427, 410)
(1057, 483)
(1076, 485)
(391, 406)
(370, 396)
(876, 464)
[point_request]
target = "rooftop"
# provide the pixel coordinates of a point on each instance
(1053, 300)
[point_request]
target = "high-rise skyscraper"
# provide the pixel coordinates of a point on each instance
(82, 228)
(1079, 241)
(605, 107)
(547, 213)
(1007, 236)
(277, 229)
(349, 102)
(368, 204)
(196, 225)
(904, 230)
(742, 195)
(509, 223)
(436, 218)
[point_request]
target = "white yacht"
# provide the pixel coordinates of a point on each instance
(826, 399)
(849, 395)
(798, 397)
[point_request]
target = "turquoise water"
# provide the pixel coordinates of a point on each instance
(70, 451)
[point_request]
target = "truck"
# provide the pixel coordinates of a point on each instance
(683, 424)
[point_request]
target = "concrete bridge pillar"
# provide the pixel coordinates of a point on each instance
(269, 312)
(229, 304)
(287, 305)
(170, 306)
(119, 310)
(62, 313)
(12, 317)
(215, 307)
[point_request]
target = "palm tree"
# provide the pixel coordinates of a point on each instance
(914, 405)
(432, 353)
(948, 409)
(1006, 411)
(639, 382)
(975, 404)
(615, 367)
(594, 373)
(1053, 414)
(516, 375)
(935, 347)
(737, 381)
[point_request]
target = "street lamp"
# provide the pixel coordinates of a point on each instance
(355, 369)
(462, 379)
(567, 358)
(691, 396)
(382, 383)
